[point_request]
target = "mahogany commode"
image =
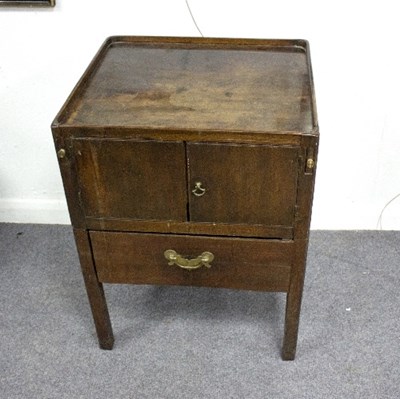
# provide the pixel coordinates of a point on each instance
(191, 161)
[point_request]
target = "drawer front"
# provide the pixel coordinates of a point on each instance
(251, 264)
(131, 179)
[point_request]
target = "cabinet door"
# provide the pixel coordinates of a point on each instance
(131, 179)
(231, 183)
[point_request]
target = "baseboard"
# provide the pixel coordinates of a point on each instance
(13, 210)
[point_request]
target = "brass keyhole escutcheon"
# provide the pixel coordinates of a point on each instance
(198, 191)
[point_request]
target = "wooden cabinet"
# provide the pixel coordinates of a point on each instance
(192, 162)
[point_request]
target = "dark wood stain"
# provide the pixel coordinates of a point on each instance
(152, 117)
(239, 263)
(147, 86)
(131, 178)
(252, 184)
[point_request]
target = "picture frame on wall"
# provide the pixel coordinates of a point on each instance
(28, 3)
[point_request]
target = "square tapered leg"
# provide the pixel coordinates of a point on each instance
(94, 290)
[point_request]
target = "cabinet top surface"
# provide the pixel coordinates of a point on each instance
(196, 84)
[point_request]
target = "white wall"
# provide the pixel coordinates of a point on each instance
(354, 48)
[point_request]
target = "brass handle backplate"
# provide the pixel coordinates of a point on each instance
(198, 191)
(189, 264)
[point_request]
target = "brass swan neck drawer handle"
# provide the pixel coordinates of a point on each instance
(198, 191)
(189, 264)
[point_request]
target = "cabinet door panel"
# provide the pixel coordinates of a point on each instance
(131, 179)
(254, 184)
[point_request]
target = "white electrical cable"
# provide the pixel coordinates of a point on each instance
(194, 21)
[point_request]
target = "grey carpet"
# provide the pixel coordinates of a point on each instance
(177, 342)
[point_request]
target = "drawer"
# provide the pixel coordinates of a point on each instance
(253, 264)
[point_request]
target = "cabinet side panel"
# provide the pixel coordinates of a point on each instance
(305, 190)
(62, 144)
